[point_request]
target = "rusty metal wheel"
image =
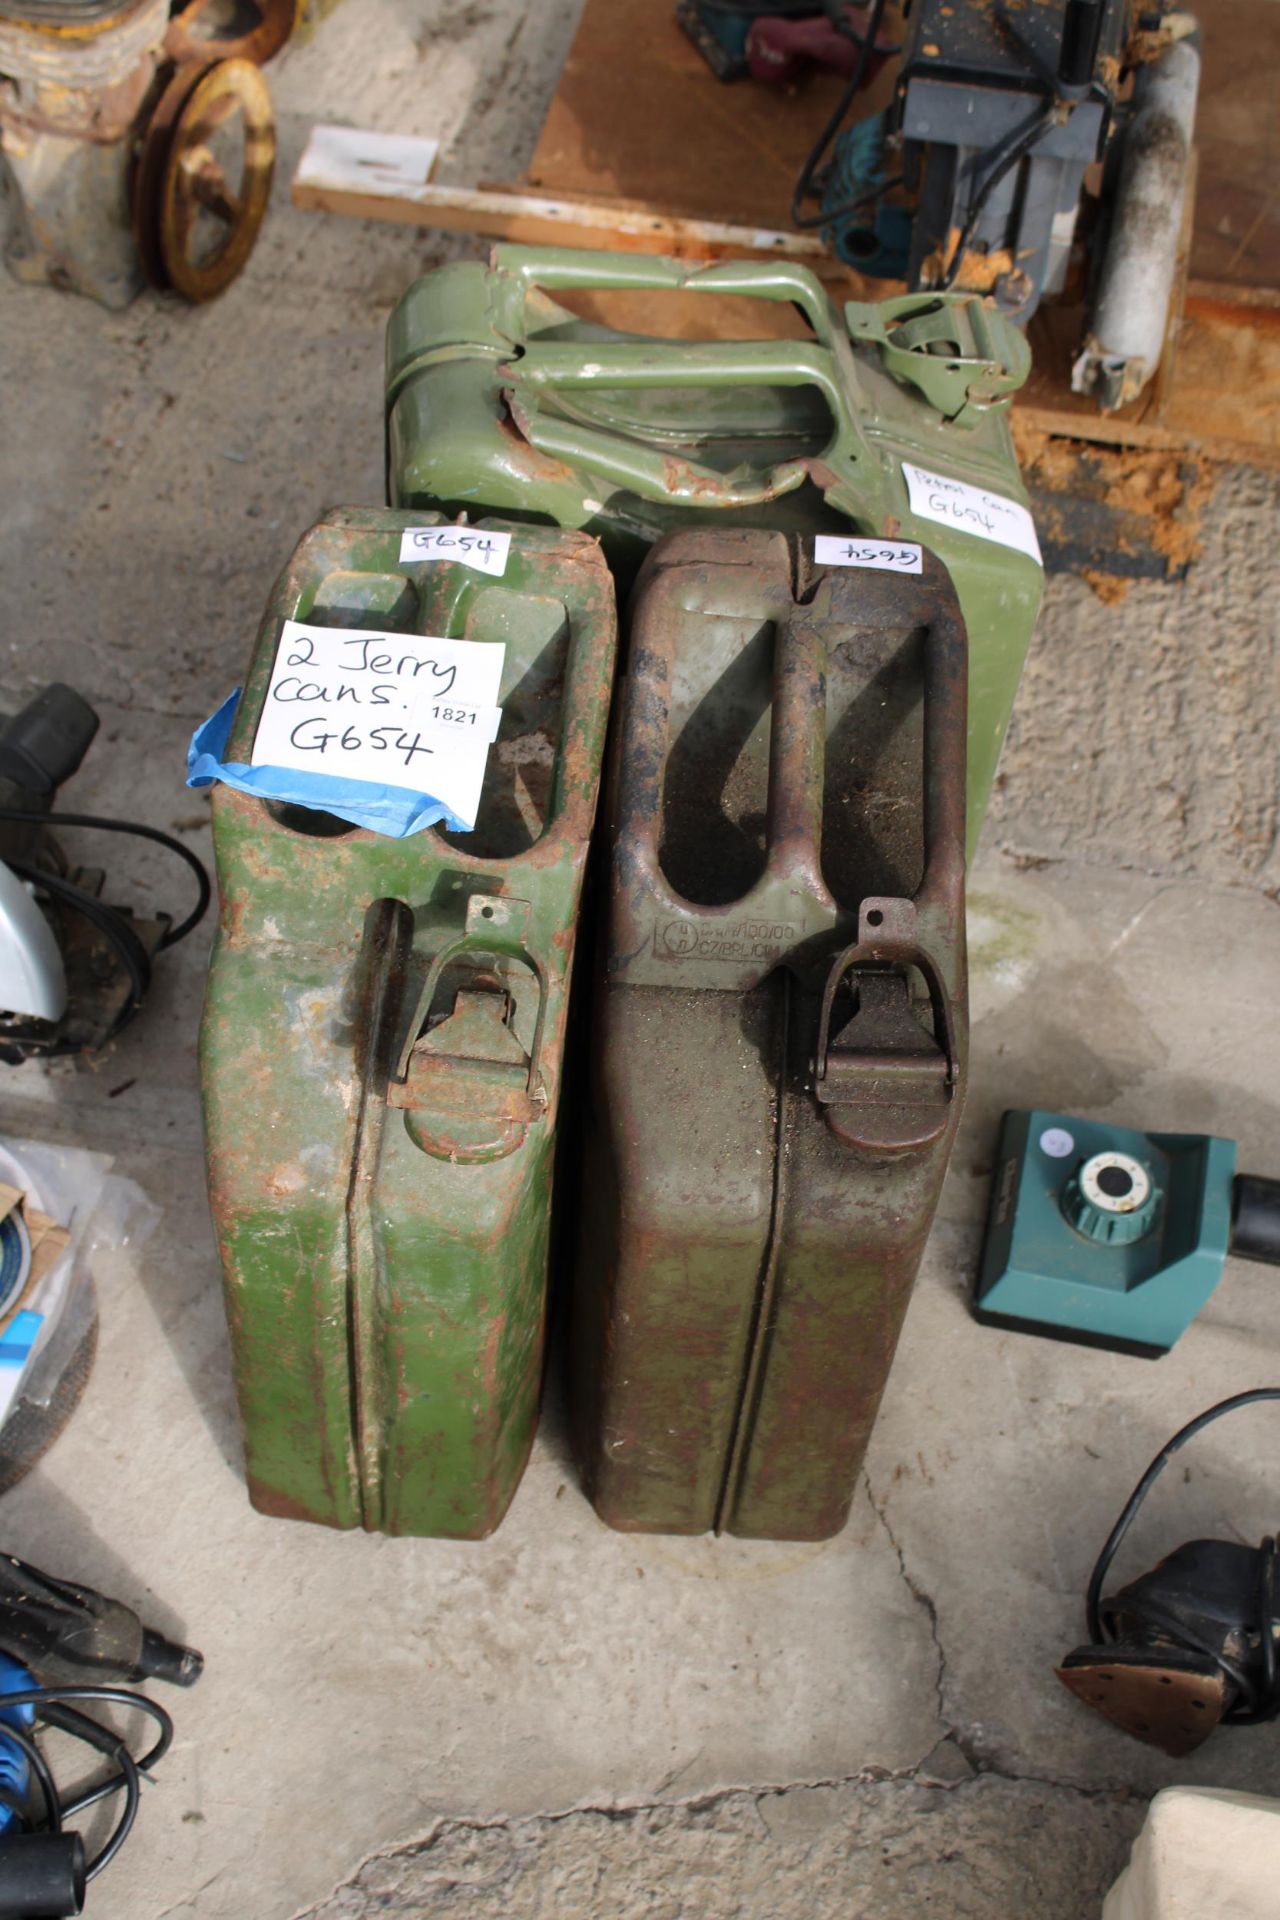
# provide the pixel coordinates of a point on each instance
(196, 32)
(203, 177)
(148, 169)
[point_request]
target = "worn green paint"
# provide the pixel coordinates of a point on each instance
(387, 1304)
(499, 399)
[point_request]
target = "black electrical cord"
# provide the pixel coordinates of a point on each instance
(1260, 1703)
(197, 866)
(805, 189)
(130, 1777)
(114, 925)
(866, 199)
(51, 1704)
(117, 931)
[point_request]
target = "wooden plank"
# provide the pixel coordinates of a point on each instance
(505, 213)
(1236, 239)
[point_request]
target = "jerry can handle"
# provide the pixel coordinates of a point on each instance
(893, 951)
(653, 476)
(563, 269)
(660, 476)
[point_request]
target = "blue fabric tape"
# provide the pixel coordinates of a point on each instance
(18, 1339)
(394, 811)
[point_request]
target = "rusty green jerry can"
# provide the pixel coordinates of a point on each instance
(891, 419)
(382, 1052)
(780, 1030)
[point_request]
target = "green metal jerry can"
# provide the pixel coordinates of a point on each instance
(890, 419)
(780, 1029)
(382, 1053)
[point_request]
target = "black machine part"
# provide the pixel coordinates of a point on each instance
(42, 1876)
(1255, 1218)
(41, 746)
(107, 953)
(66, 1633)
(1191, 1644)
(44, 743)
(1000, 112)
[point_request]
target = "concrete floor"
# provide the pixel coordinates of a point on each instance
(563, 1720)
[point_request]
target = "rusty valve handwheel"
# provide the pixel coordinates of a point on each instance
(185, 41)
(180, 176)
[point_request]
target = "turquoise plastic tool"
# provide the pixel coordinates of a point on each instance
(1103, 1235)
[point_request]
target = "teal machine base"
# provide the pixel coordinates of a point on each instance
(1102, 1235)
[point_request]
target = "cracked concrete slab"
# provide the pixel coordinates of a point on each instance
(865, 1851)
(1118, 997)
(468, 1720)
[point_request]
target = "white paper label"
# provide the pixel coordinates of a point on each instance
(883, 556)
(955, 504)
(352, 160)
(397, 709)
(1057, 1143)
(474, 546)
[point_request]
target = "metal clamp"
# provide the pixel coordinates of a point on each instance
(890, 1086)
(956, 349)
(469, 1089)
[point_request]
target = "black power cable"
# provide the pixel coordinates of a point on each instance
(1000, 159)
(197, 866)
(114, 925)
(119, 934)
(52, 1704)
(805, 188)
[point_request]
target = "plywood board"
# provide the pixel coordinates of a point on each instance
(639, 114)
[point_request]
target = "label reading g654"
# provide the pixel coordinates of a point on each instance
(968, 509)
(476, 547)
(881, 556)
